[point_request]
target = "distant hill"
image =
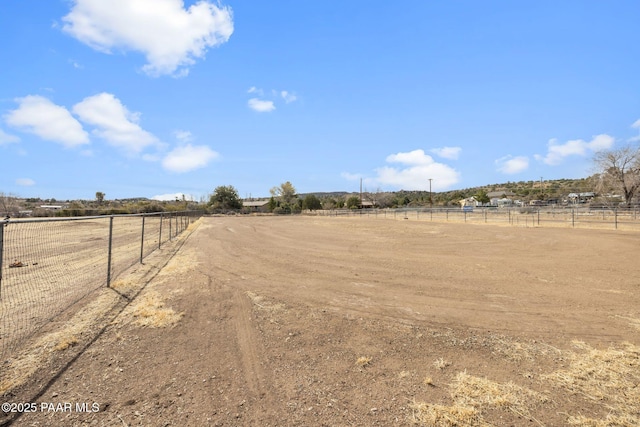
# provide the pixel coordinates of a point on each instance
(524, 190)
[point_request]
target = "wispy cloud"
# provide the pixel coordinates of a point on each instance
(556, 153)
(288, 97)
(25, 182)
(170, 36)
(38, 115)
(451, 153)
(114, 123)
(636, 124)
(511, 165)
(266, 103)
(183, 136)
(188, 157)
(5, 138)
(261, 106)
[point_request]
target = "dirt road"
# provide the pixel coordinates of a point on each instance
(304, 321)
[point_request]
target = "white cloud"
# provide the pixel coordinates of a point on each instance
(577, 147)
(5, 138)
(25, 182)
(170, 36)
(288, 97)
(636, 124)
(187, 158)
(255, 90)
(261, 106)
(419, 168)
(183, 136)
(114, 123)
(173, 196)
(451, 153)
(511, 165)
(51, 122)
(415, 157)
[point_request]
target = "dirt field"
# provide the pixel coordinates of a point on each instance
(303, 321)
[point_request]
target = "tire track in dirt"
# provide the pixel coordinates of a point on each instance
(248, 345)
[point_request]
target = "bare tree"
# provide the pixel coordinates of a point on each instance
(100, 197)
(8, 205)
(619, 170)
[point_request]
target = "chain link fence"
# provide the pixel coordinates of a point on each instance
(46, 265)
(578, 217)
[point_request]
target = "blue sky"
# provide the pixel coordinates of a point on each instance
(151, 98)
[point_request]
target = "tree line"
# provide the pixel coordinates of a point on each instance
(616, 182)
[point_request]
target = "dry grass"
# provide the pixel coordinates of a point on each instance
(472, 396)
(150, 311)
(446, 416)
(182, 262)
(67, 342)
(609, 377)
(441, 363)
(363, 361)
(476, 392)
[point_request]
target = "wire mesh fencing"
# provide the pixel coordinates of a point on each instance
(563, 217)
(46, 265)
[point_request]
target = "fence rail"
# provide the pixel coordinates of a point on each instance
(583, 217)
(46, 265)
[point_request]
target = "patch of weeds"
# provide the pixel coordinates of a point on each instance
(363, 361)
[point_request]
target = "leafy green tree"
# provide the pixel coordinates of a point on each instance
(353, 202)
(225, 197)
(272, 204)
(285, 191)
(286, 198)
(482, 197)
(311, 202)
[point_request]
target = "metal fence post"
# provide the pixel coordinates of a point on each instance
(109, 253)
(160, 232)
(170, 221)
(615, 215)
(142, 241)
(1, 253)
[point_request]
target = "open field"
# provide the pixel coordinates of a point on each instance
(306, 321)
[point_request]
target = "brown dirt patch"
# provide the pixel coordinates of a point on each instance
(359, 321)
